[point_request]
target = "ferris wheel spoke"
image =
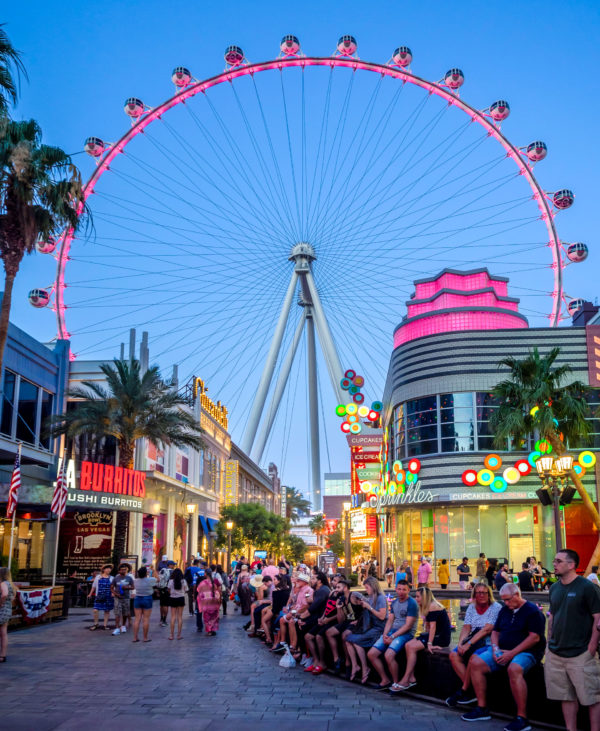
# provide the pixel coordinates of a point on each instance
(289, 141)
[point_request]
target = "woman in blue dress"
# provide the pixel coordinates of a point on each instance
(103, 601)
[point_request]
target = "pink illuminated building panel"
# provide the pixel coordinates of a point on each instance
(454, 301)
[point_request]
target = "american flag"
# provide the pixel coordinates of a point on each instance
(15, 484)
(59, 499)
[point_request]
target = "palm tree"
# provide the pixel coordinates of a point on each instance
(318, 525)
(132, 406)
(40, 195)
(10, 61)
(560, 417)
(295, 504)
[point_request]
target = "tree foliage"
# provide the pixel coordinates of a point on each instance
(253, 525)
(295, 504)
(11, 68)
(295, 548)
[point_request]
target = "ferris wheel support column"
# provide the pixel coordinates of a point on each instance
(267, 425)
(325, 338)
(267, 374)
(313, 410)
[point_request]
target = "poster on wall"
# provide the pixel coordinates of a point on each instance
(85, 540)
(148, 540)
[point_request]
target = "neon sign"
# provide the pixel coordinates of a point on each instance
(217, 411)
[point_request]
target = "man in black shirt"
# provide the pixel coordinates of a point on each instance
(518, 644)
(525, 578)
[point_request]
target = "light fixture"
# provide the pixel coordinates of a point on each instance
(229, 525)
(346, 506)
(191, 508)
(544, 465)
(564, 463)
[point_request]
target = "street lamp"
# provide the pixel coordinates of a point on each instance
(191, 508)
(229, 527)
(347, 556)
(554, 474)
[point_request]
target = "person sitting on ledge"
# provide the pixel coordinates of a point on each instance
(399, 629)
(480, 619)
(518, 644)
(435, 637)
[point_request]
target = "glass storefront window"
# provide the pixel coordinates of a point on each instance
(492, 523)
(45, 412)
(456, 535)
(472, 535)
(8, 400)
(27, 412)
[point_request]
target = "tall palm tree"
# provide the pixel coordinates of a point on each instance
(10, 63)
(295, 503)
(536, 381)
(131, 406)
(40, 195)
(318, 526)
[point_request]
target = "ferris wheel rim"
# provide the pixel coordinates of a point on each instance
(355, 64)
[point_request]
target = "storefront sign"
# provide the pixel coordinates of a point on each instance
(370, 440)
(358, 523)
(368, 473)
(232, 468)
(413, 495)
(283, 501)
(102, 501)
(105, 486)
(85, 539)
(217, 411)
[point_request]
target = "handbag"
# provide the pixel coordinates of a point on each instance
(287, 661)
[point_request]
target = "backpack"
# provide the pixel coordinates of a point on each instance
(163, 578)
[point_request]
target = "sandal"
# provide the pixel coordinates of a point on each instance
(93, 628)
(147, 640)
(135, 640)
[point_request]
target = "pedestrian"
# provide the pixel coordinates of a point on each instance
(103, 601)
(315, 637)
(481, 566)
(164, 576)
(571, 668)
(424, 572)
(191, 578)
(490, 573)
(142, 604)
(444, 574)
(349, 619)
(436, 635)
(464, 573)
(518, 644)
(164, 563)
(475, 635)
(525, 578)
(502, 577)
(399, 629)
(209, 602)
(357, 643)
(536, 573)
(389, 571)
(226, 586)
(7, 594)
(309, 619)
(121, 588)
(177, 588)
(270, 569)
(406, 567)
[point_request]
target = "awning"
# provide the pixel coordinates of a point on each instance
(212, 523)
(204, 524)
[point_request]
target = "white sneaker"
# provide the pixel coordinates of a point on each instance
(116, 631)
(123, 630)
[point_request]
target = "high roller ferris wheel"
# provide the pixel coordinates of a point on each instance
(363, 175)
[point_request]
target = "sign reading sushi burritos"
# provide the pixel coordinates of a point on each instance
(105, 486)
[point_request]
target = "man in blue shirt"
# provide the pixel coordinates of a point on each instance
(518, 644)
(191, 577)
(399, 629)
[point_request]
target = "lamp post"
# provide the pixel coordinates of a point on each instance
(554, 474)
(347, 556)
(191, 508)
(229, 527)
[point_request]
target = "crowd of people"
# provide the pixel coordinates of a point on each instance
(363, 637)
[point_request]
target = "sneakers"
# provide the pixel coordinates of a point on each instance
(460, 698)
(117, 631)
(518, 724)
(477, 714)
(278, 648)
(123, 630)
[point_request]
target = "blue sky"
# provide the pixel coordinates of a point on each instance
(84, 59)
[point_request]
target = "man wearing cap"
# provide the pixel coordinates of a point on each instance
(303, 596)
(163, 563)
(163, 593)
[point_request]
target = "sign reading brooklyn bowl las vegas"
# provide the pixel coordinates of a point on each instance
(105, 486)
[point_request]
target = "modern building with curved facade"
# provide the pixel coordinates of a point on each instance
(437, 409)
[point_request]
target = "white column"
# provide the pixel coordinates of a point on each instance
(135, 534)
(170, 537)
(194, 532)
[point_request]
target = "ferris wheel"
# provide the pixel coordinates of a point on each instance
(327, 181)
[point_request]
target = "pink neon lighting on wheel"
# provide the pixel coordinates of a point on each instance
(455, 301)
(394, 72)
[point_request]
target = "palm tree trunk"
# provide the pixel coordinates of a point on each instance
(5, 313)
(122, 524)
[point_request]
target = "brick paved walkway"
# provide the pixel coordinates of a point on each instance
(62, 676)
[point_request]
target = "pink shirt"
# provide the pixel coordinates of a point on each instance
(302, 599)
(423, 573)
(271, 571)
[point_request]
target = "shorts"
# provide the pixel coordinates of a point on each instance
(163, 595)
(178, 601)
(142, 602)
(396, 645)
(122, 607)
(525, 659)
(471, 651)
(573, 678)
(437, 640)
(321, 629)
(367, 639)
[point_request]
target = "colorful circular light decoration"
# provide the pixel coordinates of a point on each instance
(492, 462)
(351, 409)
(397, 466)
(358, 381)
(377, 406)
(534, 411)
(414, 465)
(469, 478)
(354, 389)
(366, 487)
(400, 476)
(543, 446)
(363, 411)
(352, 418)
(392, 488)
(411, 477)
(340, 410)
(350, 374)
(523, 466)
(512, 475)
(485, 477)
(533, 458)
(358, 398)
(355, 428)
(345, 384)
(498, 484)
(345, 427)
(587, 459)
(578, 469)
(373, 415)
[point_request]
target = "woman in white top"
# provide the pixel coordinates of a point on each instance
(142, 604)
(178, 589)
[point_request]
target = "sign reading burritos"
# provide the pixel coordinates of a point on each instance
(105, 486)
